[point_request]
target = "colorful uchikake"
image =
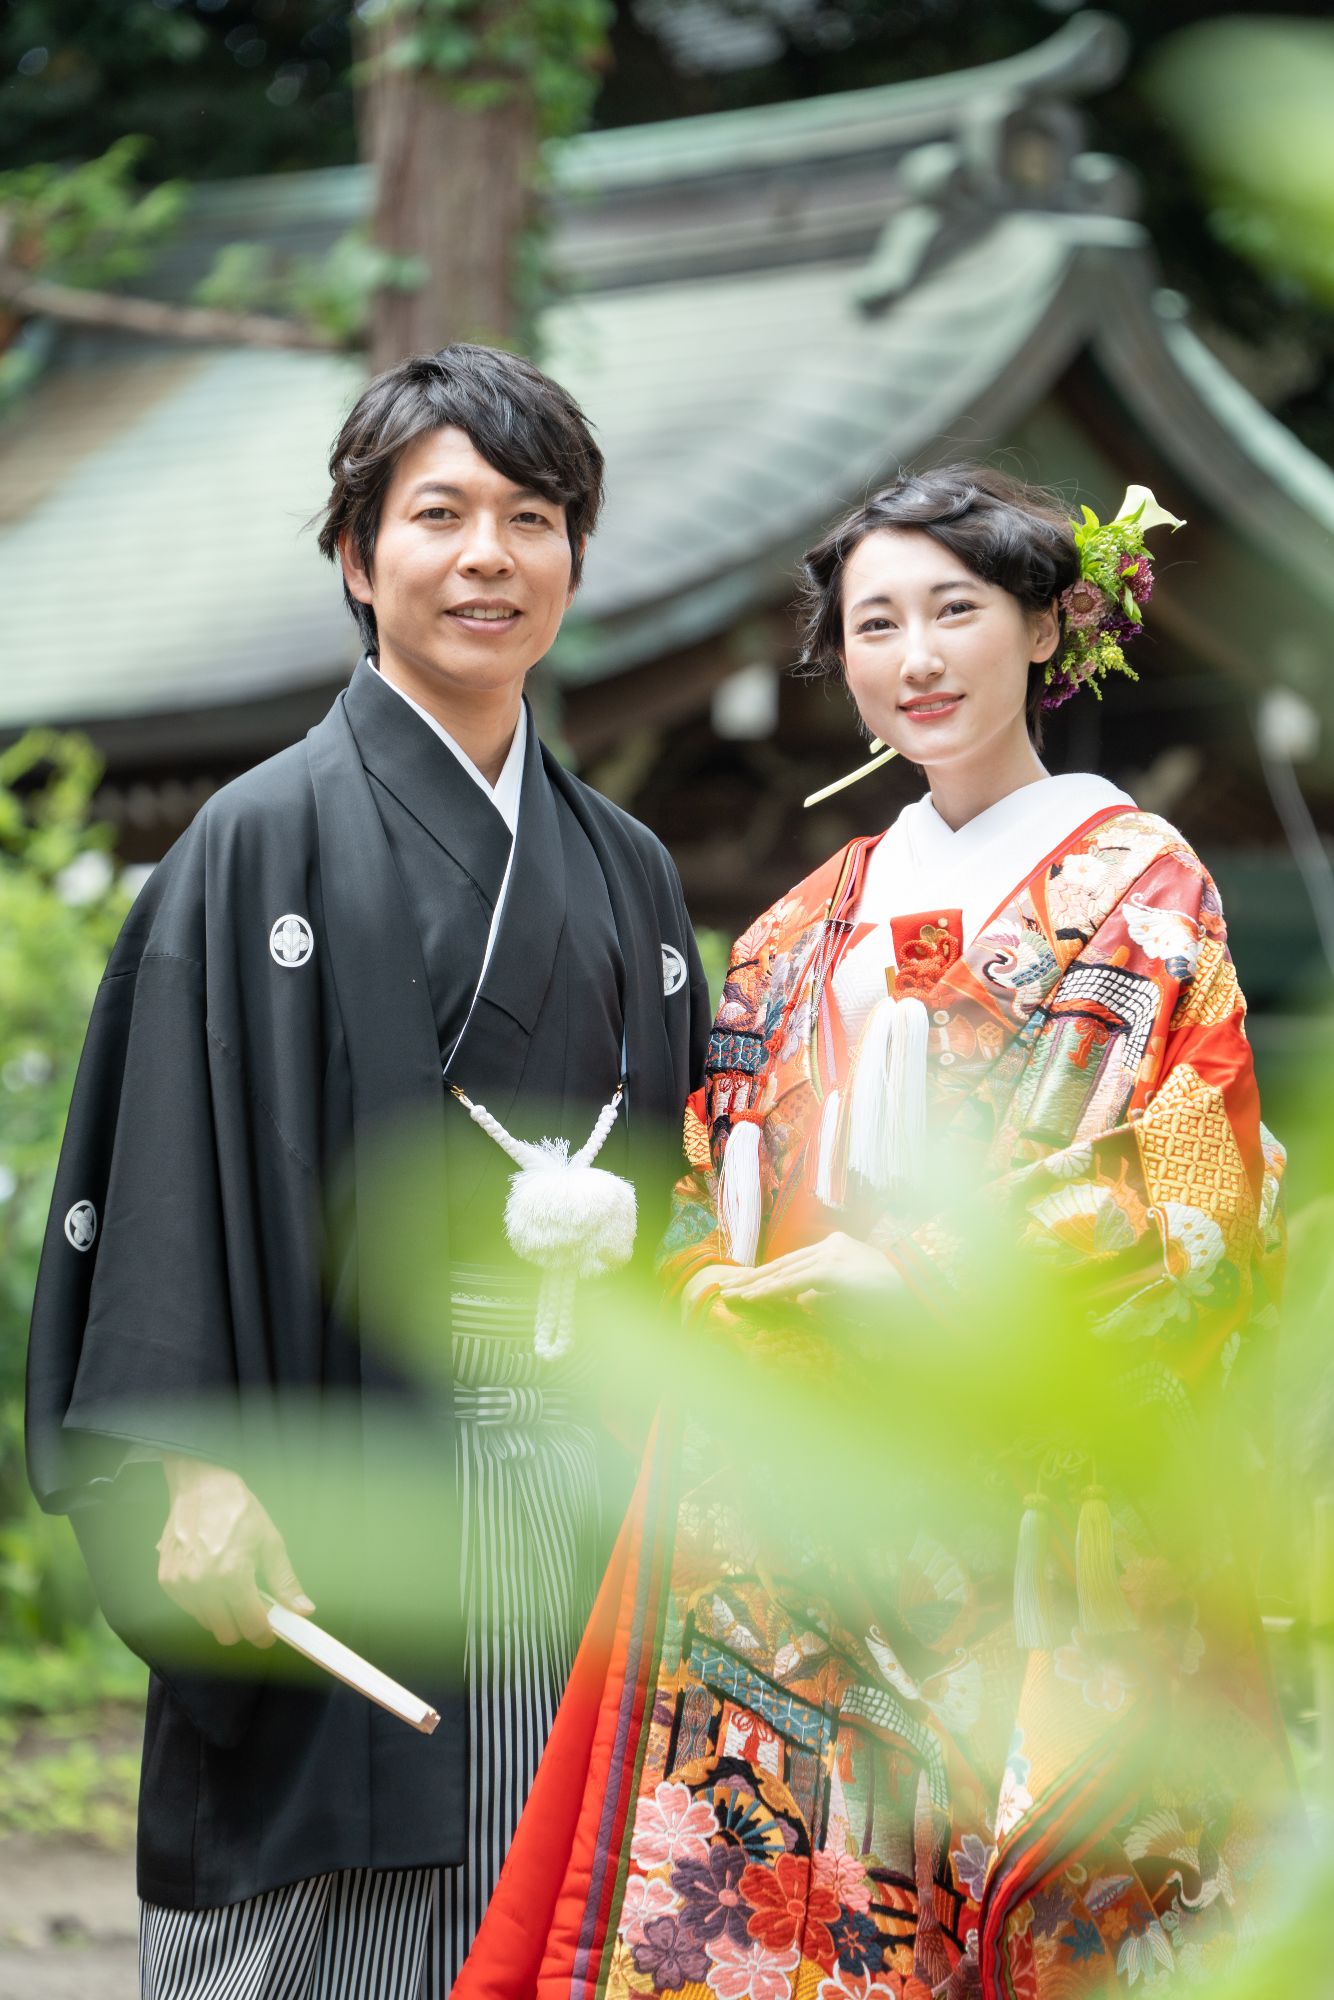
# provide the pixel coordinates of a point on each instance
(1101, 611)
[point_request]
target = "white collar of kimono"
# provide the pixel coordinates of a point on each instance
(975, 868)
(922, 863)
(505, 793)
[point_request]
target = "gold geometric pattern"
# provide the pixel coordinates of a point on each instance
(1213, 994)
(696, 1141)
(1189, 1155)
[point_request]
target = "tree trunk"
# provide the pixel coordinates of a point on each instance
(454, 186)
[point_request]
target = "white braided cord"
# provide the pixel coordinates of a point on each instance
(600, 1133)
(525, 1155)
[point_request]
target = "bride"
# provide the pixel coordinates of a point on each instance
(1013, 1735)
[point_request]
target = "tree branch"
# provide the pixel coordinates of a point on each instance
(32, 296)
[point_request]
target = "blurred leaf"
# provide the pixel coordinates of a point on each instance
(55, 934)
(88, 225)
(1252, 101)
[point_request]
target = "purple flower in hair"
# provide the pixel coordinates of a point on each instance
(1138, 575)
(1058, 693)
(1085, 606)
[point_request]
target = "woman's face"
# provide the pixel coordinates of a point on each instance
(937, 661)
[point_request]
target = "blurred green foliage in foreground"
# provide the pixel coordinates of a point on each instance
(60, 909)
(60, 906)
(1252, 102)
(70, 1693)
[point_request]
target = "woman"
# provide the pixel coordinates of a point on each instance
(927, 1765)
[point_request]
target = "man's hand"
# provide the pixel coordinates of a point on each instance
(219, 1549)
(840, 1271)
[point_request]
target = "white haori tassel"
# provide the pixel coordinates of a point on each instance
(907, 1090)
(868, 1098)
(570, 1218)
(887, 1105)
(861, 979)
(827, 1189)
(740, 1195)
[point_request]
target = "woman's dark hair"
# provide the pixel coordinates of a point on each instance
(516, 418)
(1016, 536)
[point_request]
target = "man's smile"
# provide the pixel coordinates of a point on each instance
(479, 611)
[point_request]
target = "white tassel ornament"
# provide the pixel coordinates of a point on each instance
(739, 1191)
(827, 1190)
(887, 1102)
(907, 1090)
(570, 1218)
(868, 1104)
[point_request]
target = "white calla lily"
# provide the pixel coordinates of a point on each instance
(1140, 506)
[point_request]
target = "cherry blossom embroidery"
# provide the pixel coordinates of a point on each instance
(844, 1875)
(1103, 1682)
(753, 1972)
(670, 1827)
(644, 1898)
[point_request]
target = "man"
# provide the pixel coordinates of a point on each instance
(417, 896)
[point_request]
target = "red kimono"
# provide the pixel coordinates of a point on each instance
(772, 1781)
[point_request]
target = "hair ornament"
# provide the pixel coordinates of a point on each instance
(1103, 607)
(884, 756)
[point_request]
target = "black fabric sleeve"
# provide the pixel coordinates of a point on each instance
(157, 1364)
(131, 1337)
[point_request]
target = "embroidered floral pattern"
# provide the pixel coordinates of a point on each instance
(1102, 1680)
(711, 1900)
(671, 1826)
(845, 1877)
(645, 1896)
(669, 1955)
(836, 1813)
(788, 1909)
(751, 1972)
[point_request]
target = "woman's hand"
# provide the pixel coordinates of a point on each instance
(840, 1270)
(219, 1549)
(702, 1300)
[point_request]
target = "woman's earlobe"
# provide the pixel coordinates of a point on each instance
(1040, 659)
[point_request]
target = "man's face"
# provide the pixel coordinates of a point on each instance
(472, 574)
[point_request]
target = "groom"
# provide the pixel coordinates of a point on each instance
(417, 895)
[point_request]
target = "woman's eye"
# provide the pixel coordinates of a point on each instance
(959, 604)
(875, 625)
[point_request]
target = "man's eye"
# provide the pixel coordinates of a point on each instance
(541, 519)
(437, 514)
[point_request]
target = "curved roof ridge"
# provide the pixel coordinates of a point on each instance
(1084, 55)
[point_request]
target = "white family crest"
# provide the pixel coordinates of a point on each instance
(81, 1225)
(291, 942)
(673, 969)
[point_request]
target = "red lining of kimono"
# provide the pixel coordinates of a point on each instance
(536, 1941)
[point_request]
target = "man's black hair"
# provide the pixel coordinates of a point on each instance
(517, 419)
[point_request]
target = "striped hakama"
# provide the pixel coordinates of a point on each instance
(530, 1506)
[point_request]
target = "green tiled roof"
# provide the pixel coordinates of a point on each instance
(154, 555)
